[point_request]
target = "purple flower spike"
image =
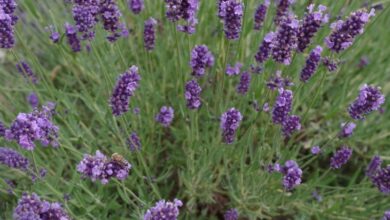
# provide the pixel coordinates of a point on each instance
(285, 41)
(201, 58)
(243, 86)
(8, 7)
(185, 10)
(33, 99)
(381, 179)
(234, 70)
(291, 125)
(85, 15)
(340, 158)
(330, 64)
(282, 107)
(264, 51)
(164, 210)
(27, 72)
(347, 129)
(134, 142)
(386, 216)
(7, 36)
(374, 166)
(73, 40)
(260, 14)
(230, 121)
(13, 159)
(150, 33)
(166, 115)
(344, 32)
(282, 10)
(125, 87)
(278, 82)
(136, 6)
(116, 167)
(315, 150)
(370, 99)
(231, 214)
(312, 63)
(110, 16)
(311, 23)
(55, 37)
(192, 94)
(232, 12)
(292, 175)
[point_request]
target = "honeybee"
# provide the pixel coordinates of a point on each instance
(118, 158)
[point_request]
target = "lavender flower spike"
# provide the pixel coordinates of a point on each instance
(164, 210)
(234, 70)
(340, 158)
(125, 87)
(386, 216)
(312, 64)
(7, 37)
(165, 117)
(136, 6)
(73, 40)
(110, 16)
(374, 166)
(282, 106)
(231, 214)
(185, 10)
(243, 86)
(264, 51)
(315, 150)
(260, 14)
(134, 142)
(282, 10)
(232, 12)
(13, 159)
(27, 72)
(150, 33)
(192, 94)
(347, 129)
(331, 65)
(290, 125)
(381, 179)
(230, 121)
(370, 99)
(344, 32)
(311, 23)
(292, 175)
(85, 15)
(33, 99)
(285, 41)
(201, 58)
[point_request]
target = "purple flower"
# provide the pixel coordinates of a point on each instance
(73, 40)
(13, 159)
(347, 129)
(164, 210)
(55, 37)
(330, 64)
(219, 4)
(165, 117)
(381, 179)
(110, 16)
(233, 70)
(231, 11)
(292, 175)
(30, 127)
(117, 167)
(282, 10)
(134, 142)
(27, 72)
(271, 168)
(344, 32)
(136, 6)
(85, 15)
(285, 40)
(201, 58)
(312, 63)
(315, 150)
(370, 99)
(125, 87)
(92, 166)
(310, 25)
(150, 33)
(264, 51)
(185, 10)
(31, 207)
(282, 107)
(33, 99)
(260, 14)
(340, 158)
(192, 94)
(230, 121)
(7, 37)
(8, 7)
(231, 214)
(245, 80)
(374, 166)
(290, 125)
(278, 82)
(386, 216)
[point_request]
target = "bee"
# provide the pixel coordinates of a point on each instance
(119, 159)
